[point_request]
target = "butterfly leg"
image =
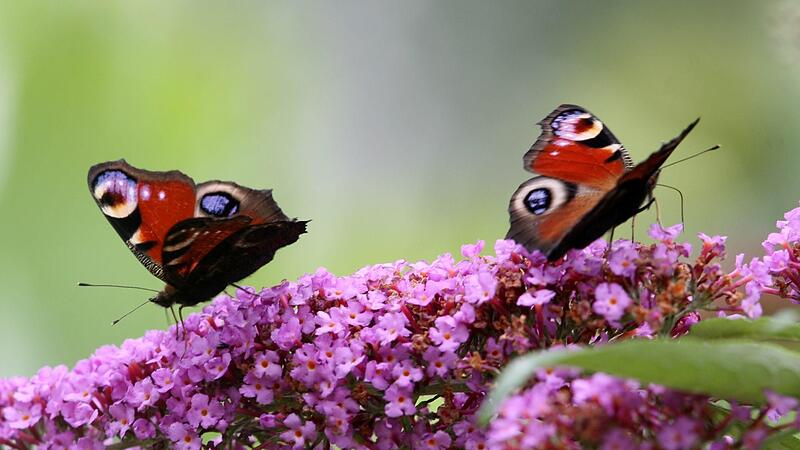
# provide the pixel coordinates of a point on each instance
(658, 211)
(610, 241)
(185, 334)
(177, 323)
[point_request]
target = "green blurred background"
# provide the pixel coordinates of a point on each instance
(399, 128)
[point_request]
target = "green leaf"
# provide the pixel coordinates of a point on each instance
(777, 329)
(785, 440)
(727, 369)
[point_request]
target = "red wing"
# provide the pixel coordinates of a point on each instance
(189, 241)
(142, 206)
(576, 146)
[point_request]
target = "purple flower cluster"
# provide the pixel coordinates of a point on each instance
(777, 272)
(399, 355)
(563, 410)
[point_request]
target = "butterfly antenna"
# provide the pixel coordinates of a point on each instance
(117, 286)
(680, 194)
(129, 312)
(690, 157)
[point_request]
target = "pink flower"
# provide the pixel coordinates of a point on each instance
(124, 416)
(540, 297)
(267, 364)
(713, 246)
(436, 441)
(448, 334)
(142, 394)
(22, 416)
(618, 440)
(680, 435)
(183, 437)
(256, 387)
(390, 327)
(330, 323)
(472, 250)
(405, 374)
(666, 235)
(622, 259)
(399, 402)
(164, 379)
(204, 412)
(610, 301)
(480, 287)
(299, 433)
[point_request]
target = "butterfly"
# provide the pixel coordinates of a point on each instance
(587, 184)
(197, 238)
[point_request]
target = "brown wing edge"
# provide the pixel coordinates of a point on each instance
(258, 203)
(653, 163)
(137, 173)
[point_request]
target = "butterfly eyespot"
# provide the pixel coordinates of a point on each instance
(219, 204)
(577, 126)
(116, 193)
(538, 200)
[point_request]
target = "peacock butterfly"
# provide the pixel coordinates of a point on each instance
(198, 239)
(587, 184)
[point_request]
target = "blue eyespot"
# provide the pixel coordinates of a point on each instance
(538, 200)
(219, 204)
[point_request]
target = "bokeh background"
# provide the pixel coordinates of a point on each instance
(397, 127)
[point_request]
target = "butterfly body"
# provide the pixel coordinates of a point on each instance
(588, 183)
(198, 239)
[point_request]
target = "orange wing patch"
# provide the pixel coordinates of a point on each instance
(554, 226)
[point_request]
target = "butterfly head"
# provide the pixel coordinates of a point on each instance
(166, 298)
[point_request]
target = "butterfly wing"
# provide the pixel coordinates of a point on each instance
(189, 241)
(224, 199)
(543, 209)
(142, 206)
(577, 147)
(221, 244)
(620, 203)
(232, 249)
